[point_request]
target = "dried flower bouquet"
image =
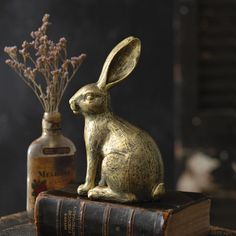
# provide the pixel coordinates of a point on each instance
(45, 61)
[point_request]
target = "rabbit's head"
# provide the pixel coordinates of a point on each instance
(94, 98)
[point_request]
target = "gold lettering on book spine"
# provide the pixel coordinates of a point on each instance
(69, 222)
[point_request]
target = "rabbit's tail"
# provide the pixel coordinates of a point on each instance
(158, 191)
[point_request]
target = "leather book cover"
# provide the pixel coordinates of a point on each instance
(62, 212)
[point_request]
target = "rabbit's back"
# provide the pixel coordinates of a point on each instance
(126, 138)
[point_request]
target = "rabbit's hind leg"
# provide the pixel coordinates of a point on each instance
(102, 182)
(105, 193)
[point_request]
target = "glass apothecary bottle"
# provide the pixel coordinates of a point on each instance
(50, 160)
(46, 68)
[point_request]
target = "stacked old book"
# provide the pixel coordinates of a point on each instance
(62, 212)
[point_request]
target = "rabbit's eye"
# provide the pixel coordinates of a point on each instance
(89, 97)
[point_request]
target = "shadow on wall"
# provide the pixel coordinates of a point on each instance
(92, 27)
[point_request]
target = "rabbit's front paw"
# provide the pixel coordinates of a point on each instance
(83, 189)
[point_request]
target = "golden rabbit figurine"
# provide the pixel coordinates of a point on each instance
(124, 157)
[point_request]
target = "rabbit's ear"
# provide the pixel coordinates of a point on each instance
(120, 62)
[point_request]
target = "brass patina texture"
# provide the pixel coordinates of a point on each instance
(125, 158)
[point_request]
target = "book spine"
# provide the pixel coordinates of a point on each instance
(77, 217)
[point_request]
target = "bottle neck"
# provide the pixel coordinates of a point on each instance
(51, 123)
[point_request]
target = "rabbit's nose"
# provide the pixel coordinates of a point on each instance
(73, 105)
(71, 101)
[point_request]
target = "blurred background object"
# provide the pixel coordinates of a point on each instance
(91, 27)
(205, 82)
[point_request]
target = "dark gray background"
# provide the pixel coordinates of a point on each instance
(93, 27)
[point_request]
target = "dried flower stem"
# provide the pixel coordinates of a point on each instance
(42, 58)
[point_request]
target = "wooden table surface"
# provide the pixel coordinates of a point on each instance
(20, 225)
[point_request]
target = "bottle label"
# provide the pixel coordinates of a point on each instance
(48, 173)
(54, 151)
